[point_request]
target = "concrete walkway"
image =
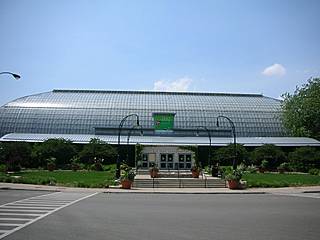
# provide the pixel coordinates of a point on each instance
(287, 190)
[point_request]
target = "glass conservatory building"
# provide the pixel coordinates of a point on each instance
(168, 119)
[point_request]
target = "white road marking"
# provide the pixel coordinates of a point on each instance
(34, 204)
(19, 214)
(66, 199)
(14, 219)
(22, 210)
(11, 224)
(18, 207)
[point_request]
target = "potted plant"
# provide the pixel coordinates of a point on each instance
(233, 179)
(154, 171)
(195, 170)
(51, 164)
(126, 176)
(263, 167)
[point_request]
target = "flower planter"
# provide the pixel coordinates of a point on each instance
(233, 184)
(195, 174)
(154, 173)
(126, 184)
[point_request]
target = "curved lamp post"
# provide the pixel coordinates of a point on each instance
(234, 164)
(209, 136)
(119, 135)
(129, 135)
(16, 76)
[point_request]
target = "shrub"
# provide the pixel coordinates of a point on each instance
(3, 168)
(251, 169)
(314, 171)
(99, 150)
(264, 164)
(61, 149)
(51, 163)
(75, 163)
(269, 152)
(15, 154)
(304, 158)
(225, 155)
(283, 167)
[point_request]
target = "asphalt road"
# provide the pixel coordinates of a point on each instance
(7, 196)
(158, 216)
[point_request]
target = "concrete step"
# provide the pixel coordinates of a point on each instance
(179, 183)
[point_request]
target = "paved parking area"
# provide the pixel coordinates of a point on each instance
(180, 216)
(7, 196)
(21, 213)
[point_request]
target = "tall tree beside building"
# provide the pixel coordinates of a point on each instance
(301, 110)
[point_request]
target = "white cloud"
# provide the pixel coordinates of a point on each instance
(179, 85)
(274, 70)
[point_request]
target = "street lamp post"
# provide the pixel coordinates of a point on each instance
(119, 135)
(129, 135)
(234, 164)
(209, 136)
(16, 76)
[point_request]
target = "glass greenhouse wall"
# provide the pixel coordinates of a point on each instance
(83, 111)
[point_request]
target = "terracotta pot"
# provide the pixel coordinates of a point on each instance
(154, 173)
(126, 184)
(233, 184)
(195, 174)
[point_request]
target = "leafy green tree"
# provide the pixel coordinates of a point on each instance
(62, 150)
(138, 154)
(97, 149)
(301, 110)
(15, 155)
(304, 158)
(269, 152)
(225, 155)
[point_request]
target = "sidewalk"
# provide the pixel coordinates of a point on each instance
(287, 190)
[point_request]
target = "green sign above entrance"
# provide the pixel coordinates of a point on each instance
(163, 121)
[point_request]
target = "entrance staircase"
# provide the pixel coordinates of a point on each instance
(176, 179)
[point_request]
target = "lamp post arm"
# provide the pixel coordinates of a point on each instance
(16, 76)
(119, 136)
(209, 136)
(234, 164)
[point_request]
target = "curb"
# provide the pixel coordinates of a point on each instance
(26, 189)
(207, 193)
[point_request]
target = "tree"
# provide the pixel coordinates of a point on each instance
(15, 155)
(304, 158)
(97, 149)
(61, 149)
(269, 152)
(138, 154)
(301, 110)
(225, 155)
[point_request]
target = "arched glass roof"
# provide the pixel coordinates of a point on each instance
(81, 111)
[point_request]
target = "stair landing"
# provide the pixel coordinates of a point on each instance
(145, 181)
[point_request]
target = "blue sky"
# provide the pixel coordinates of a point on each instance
(264, 47)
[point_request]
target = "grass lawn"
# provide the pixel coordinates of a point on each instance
(92, 179)
(280, 180)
